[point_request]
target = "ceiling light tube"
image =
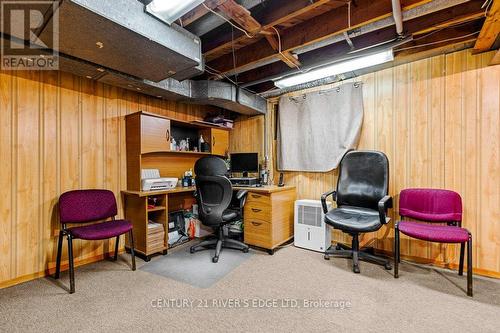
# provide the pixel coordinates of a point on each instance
(170, 10)
(336, 68)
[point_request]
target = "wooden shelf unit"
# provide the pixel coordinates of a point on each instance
(148, 145)
(156, 209)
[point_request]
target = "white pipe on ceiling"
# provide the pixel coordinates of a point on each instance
(398, 16)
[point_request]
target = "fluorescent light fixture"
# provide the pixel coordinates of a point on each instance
(170, 10)
(336, 68)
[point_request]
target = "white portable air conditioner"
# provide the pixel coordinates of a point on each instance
(310, 230)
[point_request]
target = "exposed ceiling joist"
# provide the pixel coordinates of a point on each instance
(268, 92)
(325, 26)
(200, 11)
(326, 53)
(491, 29)
(456, 20)
(242, 17)
(274, 13)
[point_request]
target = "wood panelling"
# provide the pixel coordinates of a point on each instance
(59, 132)
(437, 120)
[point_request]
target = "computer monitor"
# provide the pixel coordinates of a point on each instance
(244, 162)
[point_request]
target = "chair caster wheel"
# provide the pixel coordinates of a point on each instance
(388, 266)
(147, 259)
(245, 250)
(355, 269)
(215, 259)
(191, 250)
(270, 252)
(326, 257)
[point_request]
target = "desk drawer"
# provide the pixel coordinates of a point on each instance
(258, 232)
(257, 197)
(258, 210)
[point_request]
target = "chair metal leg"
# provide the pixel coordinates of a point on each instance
(236, 245)
(375, 259)
(218, 249)
(204, 245)
(59, 253)
(461, 264)
(333, 252)
(71, 265)
(115, 258)
(132, 254)
(469, 266)
(396, 252)
(355, 256)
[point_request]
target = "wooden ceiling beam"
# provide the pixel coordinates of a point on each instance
(330, 24)
(459, 34)
(457, 20)
(490, 30)
(200, 11)
(243, 18)
(271, 14)
(416, 53)
(332, 51)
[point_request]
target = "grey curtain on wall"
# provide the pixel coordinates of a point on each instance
(316, 129)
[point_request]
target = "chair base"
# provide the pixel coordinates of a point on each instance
(219, 243)
(356, 254)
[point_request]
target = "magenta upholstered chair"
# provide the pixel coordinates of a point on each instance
(85, 206)
(435, 206)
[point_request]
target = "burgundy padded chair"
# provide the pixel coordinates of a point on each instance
(435, 206)
(85, 206)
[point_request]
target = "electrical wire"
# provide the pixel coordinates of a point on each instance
(436, 42)
(228, 21)
(441, 29)
(233, 54)
(279, 48)
(219, 74)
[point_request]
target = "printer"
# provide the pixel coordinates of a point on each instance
(151, 181)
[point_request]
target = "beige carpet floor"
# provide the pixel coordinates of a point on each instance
(109, 297)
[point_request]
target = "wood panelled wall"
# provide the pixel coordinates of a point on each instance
(437, 120)
(59, 132)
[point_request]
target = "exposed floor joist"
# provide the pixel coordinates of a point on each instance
(491, 29)
(324, 26)
(325, 54)
(200, 11)
(242, 17)
(273, 14)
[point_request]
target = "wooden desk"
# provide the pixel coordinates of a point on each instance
(268, 215)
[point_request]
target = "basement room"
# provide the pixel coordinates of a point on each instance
(249, 165)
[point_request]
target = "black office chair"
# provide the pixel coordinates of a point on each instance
(362, 203)
(214, 193)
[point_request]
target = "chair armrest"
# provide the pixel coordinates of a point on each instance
(241, 195)
(333, 193)
(384, 204)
